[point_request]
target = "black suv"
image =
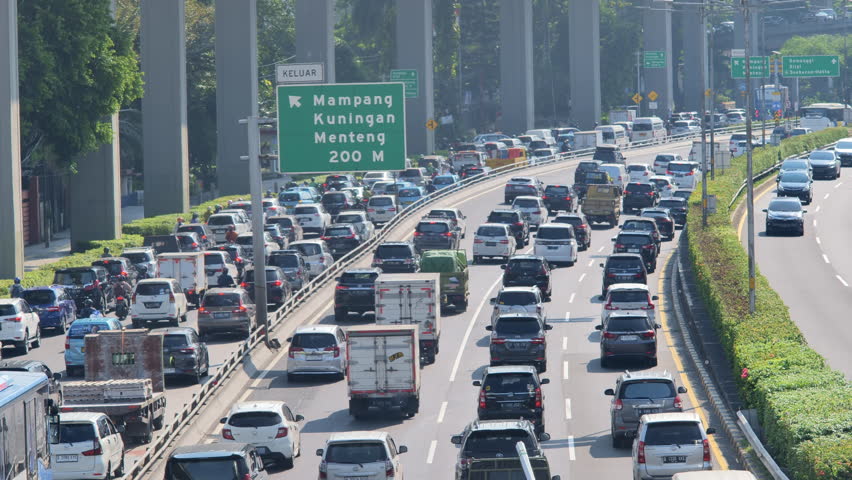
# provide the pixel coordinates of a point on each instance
(664, 221)
(623, 268)
(396, 257)
(518, 225)
(677, 207)
(277, 287)
(86, 282)
(581, 228)
(512, 392)
(585, 167)
(118, 266)
(528, 271)
(336, 202)
(640, 195)
(355, 292)
(341, 239)
(558, 197)
(495, 439)
(638, 242)
(435, 234)
(648, 225)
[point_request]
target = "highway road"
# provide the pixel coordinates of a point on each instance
(813, 273)
(577, 412)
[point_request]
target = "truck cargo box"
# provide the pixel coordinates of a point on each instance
(413, 299)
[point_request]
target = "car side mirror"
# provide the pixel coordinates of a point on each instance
(493, 301)
(299, 418)
(764, 210)
(548, 326)
(402, 449)
(336, 279)
(681, 389)
(598, 327)
(548, 300)
(223, 420)
(290, 339)
(601, 265)
(543, 436)
(489, 328)
(654, 297)
(609, 392)
(319, 452)
(711, 431)
(456, 439)
(119, 428)
(657, 325)
(544, 381)
(502, 267)
(477, 383)
(57, 376)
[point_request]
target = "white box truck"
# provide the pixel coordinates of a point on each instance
(384, 368)
(188, 269)
(586, 140)
(413, 299)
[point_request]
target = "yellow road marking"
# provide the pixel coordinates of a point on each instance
(745, 215)
(690, 392)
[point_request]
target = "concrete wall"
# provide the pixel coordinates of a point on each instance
(11, 233)
(414, 51)
(315, 34)
(585, 65)
(516, 67)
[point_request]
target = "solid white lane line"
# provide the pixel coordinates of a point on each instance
(431, 455)
(568, 408)
(571, 300)
(470, 325)
(600, 249)
(818, 207)
(818, 242)
(842, 281)
(825, 257)
(581, 278)
(826, 196)
(565, 370)
(571, 454)
(442, 412)
(564, 343)
(591, 262)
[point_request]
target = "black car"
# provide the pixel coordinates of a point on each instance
(518, 225)
(342, 177)
(581, 228)
(558, 198)
(396, 257)
(162, 243)
(519, 338)
(678, 208)
(642, 243)
(628, 335)
(623, 268)
(277, 287)
(276, 234)
(202, 230)
(785, 214)
(528, 271)
(118, 267)
(585, 167)
(341, 239)
(640, 195)
(355, 292)
(184, 354)
(647, 225)
(435, 234)
(472, 171)
(336, 202)
(797, 184)
(664, 221)
(512, 392)
(86, 282)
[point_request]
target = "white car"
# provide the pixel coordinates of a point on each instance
(86, 445)
(380, 187)
(684, 174)
(382, 208)
(272, 208)
(157, 299)
(664, 184)
(312, 217)
(359, 219)
(316, 253)
(370, 178)
(739, 149)
(624, 297)
(639, 172)
(219, 224)
(270, 426)
(661, 162)
(356, 455)
(216, 262)
(317, 350)
(669, 443)
(517, 300)
(493, 240)
(454, 214)
(532, 208)
(246, 240)
(557, 243)
(684, 127)
(19, 324)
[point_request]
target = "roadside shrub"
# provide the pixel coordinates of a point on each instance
(821, 458)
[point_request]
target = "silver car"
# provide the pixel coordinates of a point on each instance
(226, 310)
(532, 208)
(517, 300)
(317, 350)
(317, 255)
(359, 219)
(670, 443)
(636, 394)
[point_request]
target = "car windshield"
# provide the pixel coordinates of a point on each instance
(498, 443)
(622, 262)
(785, 206)
(221, 299)
(232, 468)
(174, 341)
(644, 389)
(433, 227)
(74, 278)
(525, 203)
(443, 181)
(508, 383)
(220, 220)
(313, 340)
(633, 240)
(80, 329)
(338, 232)
(75, 433)
(557, 191)
(626, 324)
(517, 326)
(555, 233)
(39, 297)
(393, 251)
(358, 277)
(284, 261)
(673, 433)
(639, 188)
(516, 298)
(307, 249)
(821, 155)
(381, 202)
(672, 203)
(628, 296)
(254, 419)
(488, 231)
(525, 265)
(305, 210)
(794, 177)
(356, 453)
(290, 197)
(795, 165)
(147, 289)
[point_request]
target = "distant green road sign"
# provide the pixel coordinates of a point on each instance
(811, 66)
(759, 67)
(345, 127)
(654, 59)
(410, 79)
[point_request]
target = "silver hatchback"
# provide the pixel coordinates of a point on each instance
(670, 443)
(317, 350)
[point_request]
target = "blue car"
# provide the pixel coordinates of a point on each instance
(407, 196)
(443, 181)
(55, 307)
(293, 197)
(75, 357)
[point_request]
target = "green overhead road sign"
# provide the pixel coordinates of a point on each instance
(811, 66)
(409, 78)
(759, 67)
(654, 59)
(344, 127)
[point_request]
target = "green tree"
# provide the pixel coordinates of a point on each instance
(816, 89)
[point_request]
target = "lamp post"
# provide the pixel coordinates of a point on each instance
(752, 299)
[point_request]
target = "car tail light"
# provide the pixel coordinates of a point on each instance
(341, 287)
(619, 245)
(291, 352)
(544, 197)
(133, 299)
(609, 335)
(371, 210)
(650, 194)
(391, 209)
(648, 247)
(243, 284)
(482, 398)
(239, 259)
(418, 234)
(202, 310)
(378, 261)
(120, 299)
(648, 334)
(123, 273)
(277, 283)
(282, 432)
(706, 444)
(538, 397)
(16, 319)
(538, 341)
(334, 349)
(610, 275)
(568, 198)
(187, 350)
(690, 173)
(537, 212)
(609, 306)
(323, 469)
(67, 344)
(519, 224)
(448, 234)
(498, 341)
(204, 237)
(504, 242)
(226, 434)
(650, 305)
(56, 309)
(618, 404)
(669, 172)
(171, 298)
(325, 238)
(194, 245)
(639, 275)
(240, 309)
(640, 452)
(390, 472)
(478, 240)
(583, 226)
(678, 403)
(95, 451)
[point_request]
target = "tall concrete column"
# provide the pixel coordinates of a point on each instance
(166, 152)
(694, 58)
(584, 62)
(236, 90)
(414, 51)
(739, 40)
(657, 26)
(516, 67)
(11, 222)
(315, 34)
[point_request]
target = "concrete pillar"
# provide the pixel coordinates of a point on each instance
(584, 62)
(516, 67)
(657, 35)
(414, 51)
(96, 194)
(12, 230)
(694, 58)
(166, 153)
(315, 34)
(236, 90)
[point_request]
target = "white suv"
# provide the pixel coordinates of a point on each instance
(246, 240)
(156, 299)
(350, 455)
(517, 300)
(270, 426)
(19, 324)
(219, 224)
(382, 208)
(317, 350)
(532, 208)
(312, 217)
(86, 445)
(493, 240)
(670, 443)
(624, 297)
(556, 243)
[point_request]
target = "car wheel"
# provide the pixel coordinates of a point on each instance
(37, 340)
(542, 367)
(24, 346)
(183, 317)
(604, 362)
(768, 231)
(652, 362)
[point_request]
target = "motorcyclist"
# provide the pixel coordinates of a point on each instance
(89, 309)
(16, 290)
(194, 218)
(231, 235)
(217, 208)
(106, 253)
(142, 272)
(225, 280)
(121, 288)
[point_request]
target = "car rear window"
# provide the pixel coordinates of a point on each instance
(37, 297)
(7, 310)
(516, 298)
(231, 468)
(502, 217)
(146, 289)
(557, 191)
(271, 275)
(409, 192)
(245, 240)
(626, 324)
(587, 166)
(313, 340)
(305, 210)
(350, 218)
(628, 296)
(575, 221)
(555, 233)
(644, 389)
(525, 203)
(443, 180)
(254, 419)
(622, 262)
(284, 261)
(221, 300)
(356, 453)
(334, 198)
(393, 251)
(381, 202)
(508, 383)
(220, 220)
(525, 265)
(433, 227)
(633, 239)
(358, 277)
(672, 433)
(213, 259)
(660, 182)
(290, 197)
(80, 330)
(498, 443)
(488, 231)
(641, 226)
(639, 188)
(75, 433)
(307, 249)
(663, 159)
(283, 222)
(338, 232)
(74, 278)
(681, 167)
(174, 341)
(672, 204)
(517, 326)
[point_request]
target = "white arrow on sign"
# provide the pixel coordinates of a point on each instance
(294, 101)
(833, 61)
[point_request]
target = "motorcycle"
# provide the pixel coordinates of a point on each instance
(121, 308)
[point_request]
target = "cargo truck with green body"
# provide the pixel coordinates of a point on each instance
(455, 277)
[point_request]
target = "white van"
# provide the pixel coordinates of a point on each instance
(556, 243)
(648, 129)
(86, 445)
(618, 173)
(220, 222)
(544, 134)
(614, 134)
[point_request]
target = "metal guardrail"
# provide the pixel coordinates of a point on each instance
(170, 432)
(759, 449)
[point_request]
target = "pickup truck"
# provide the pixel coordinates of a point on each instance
(602, 204)
(124, 380)
(455, 277)
(412, 299)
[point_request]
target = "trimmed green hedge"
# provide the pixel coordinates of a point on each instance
(805, 407)
(165, 224)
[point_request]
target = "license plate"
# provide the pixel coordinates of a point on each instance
(674, 459)
(629, 338)
(633, 250)
(647, 411)
(490, 244)
(552, 248)
(262, 450)
(152, 304)
(168, 371)
(513, 404)
(66, 458)
(221, 314)
(517, 346)
(380, 211)
(314, 357)
(304, 220)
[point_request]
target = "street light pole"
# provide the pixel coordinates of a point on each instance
(704, 110)
(749, 167)
(712, 105)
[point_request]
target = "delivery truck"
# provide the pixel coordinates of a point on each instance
(124, 380)
(384, 369)
(413, 299)
(616, 116)
(188, 269)
(587, 140)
